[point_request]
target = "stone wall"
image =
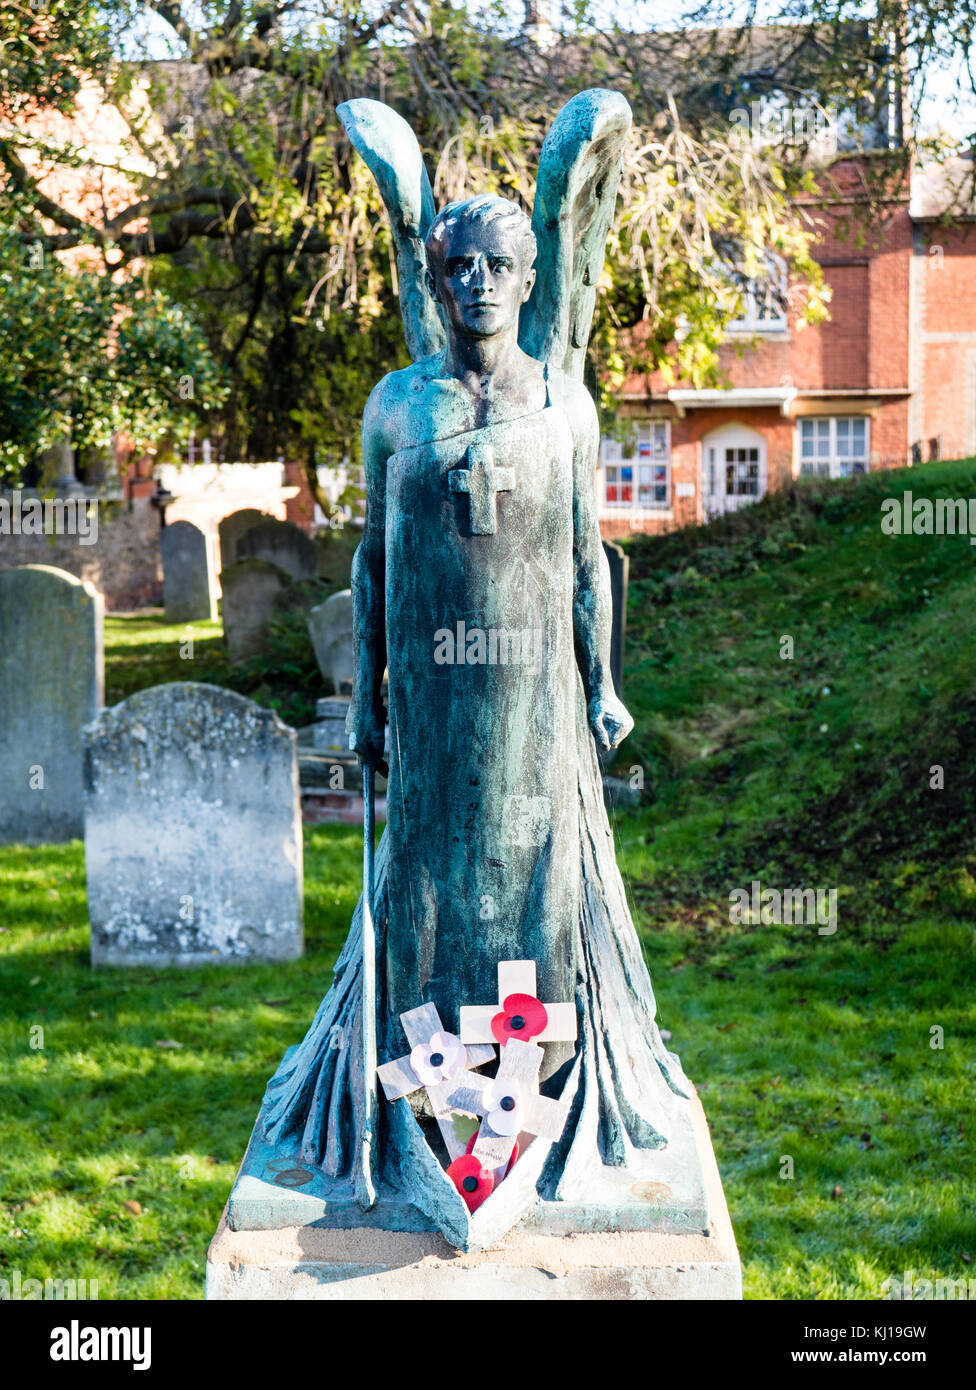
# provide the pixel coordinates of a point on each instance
(123, 561)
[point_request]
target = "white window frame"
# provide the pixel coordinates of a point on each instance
(751, 320)
(829, 458)
(615, 456)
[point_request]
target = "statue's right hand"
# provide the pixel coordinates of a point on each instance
(367, 733)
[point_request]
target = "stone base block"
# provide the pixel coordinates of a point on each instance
(319, 1261)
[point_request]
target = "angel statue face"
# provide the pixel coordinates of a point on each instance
(479, 257)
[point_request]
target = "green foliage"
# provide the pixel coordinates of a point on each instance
(264, 222)
(144, 650)
(83, 357)
(266, 225)
(47, 51)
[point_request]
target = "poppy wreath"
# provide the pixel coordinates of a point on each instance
(522, 1017)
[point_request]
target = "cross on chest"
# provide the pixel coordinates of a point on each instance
(437, 1061)
(519, 1014)
(510, 1104)
(482, 481)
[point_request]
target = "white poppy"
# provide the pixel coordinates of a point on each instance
(504, 1110)
(439, 1059)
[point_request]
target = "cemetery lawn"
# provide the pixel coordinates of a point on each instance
(144, 649)
(129, 1095)
(842, 1128)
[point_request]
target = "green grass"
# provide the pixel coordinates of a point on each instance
(98, 1113)
(816, 1048)
(143, 649)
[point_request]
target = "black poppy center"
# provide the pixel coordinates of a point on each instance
(437, 1059)
(518, 1023)
(507, 1103)
(470, 1184)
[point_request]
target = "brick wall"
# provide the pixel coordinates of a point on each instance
(299, 509)
(946, 324)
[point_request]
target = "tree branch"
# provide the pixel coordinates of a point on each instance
(25, 183)
(256, 300)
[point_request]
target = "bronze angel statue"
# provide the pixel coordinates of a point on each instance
(481, 520)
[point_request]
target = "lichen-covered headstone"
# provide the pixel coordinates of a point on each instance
(193, 839)
(282, 543)
(231, 528)
(51, 686)
(250, 588)
(330, 627)
(189, 589)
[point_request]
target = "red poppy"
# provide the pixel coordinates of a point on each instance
(522, 1017)
(515, 1151)
(472, 1181)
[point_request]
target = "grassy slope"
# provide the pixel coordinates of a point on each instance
(816, 1047)
(815, 772)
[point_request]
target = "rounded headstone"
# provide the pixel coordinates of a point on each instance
(330, 627)
(193, 843)
(51, 686)
(230, 529)
(250, 588)
(189, 590)
(281, 543)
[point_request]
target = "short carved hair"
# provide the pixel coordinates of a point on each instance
(487, 207)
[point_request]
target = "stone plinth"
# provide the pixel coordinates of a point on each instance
(330, 726)
(331, 1254)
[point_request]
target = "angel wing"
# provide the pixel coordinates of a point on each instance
(390, 149)
(579, 173)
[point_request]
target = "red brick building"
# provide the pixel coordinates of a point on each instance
(889, 379)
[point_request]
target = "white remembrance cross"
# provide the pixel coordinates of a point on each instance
(513, 1092)
(517, 977)
(398, 1077)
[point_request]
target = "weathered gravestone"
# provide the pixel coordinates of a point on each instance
(250, 588)
(619, 564)
(193, 839)
(330, 627)
(51, 685)
(231, 528)
(281, 543)
(189, 586)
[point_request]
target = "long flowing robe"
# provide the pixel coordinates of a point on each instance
(497, 844)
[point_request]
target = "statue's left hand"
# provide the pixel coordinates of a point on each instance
(609, 721)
